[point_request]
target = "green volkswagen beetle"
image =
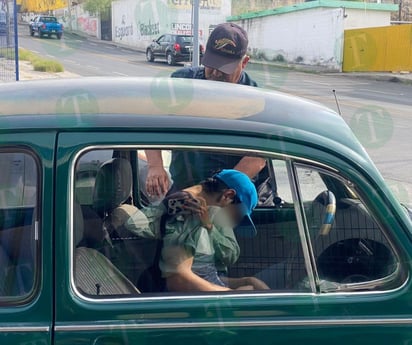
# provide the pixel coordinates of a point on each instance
(82, 237)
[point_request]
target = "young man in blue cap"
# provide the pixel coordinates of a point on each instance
(199, 246)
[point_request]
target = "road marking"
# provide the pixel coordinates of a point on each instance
(381, 92)
(121, 74)
(93, 67)
(71, 61)
(51, 56)
(315, 82)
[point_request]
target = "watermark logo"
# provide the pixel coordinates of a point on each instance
(372, 125)
(77, 102)
(171, 94)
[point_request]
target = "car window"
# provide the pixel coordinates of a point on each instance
(350, 249)
(48, 19)
(124, 230)
(185, 39)
(312, 234)
(18, 209)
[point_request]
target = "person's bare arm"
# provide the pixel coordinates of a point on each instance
(237, 283)
(251, 166)
(186, 281)
(157, 181)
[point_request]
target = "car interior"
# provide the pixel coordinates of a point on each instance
(350, 250)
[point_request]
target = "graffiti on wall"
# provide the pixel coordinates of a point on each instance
(203, 4)
(183, 29)
(149, 28)
(87, 24)
(125, 29)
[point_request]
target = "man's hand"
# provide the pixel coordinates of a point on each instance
(203, 213)
(256, 283)
(157, 181)
(245, 283)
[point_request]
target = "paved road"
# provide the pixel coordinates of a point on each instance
(379, 112)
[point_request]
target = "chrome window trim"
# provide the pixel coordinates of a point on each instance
(20, 329)
(302, 226)
(86, 327)
(267, 154)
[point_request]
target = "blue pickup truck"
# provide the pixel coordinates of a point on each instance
(46, 25)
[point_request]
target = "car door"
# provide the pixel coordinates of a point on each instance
(26, 227)
(158, 46)
(166, 44)
(306, 301)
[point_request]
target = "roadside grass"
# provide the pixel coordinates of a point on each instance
(7, 53)
(39, 63)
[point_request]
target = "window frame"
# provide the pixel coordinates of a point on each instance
(348, 287)
(24, 299)
(291, 162)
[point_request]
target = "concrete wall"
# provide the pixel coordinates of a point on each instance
(311, 37)
(76, 19)
(137, 22)
(381, 49)
(356, 19)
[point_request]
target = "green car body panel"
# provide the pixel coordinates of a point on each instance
(57, 120)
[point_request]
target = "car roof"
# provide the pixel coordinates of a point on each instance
(169, 103)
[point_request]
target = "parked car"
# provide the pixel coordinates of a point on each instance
(46, 25)
(172, 48)
(333, 244)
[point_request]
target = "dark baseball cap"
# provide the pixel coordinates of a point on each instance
(245, 192)
(225, 48)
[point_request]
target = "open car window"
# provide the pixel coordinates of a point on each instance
(312, 233)
(350, 248)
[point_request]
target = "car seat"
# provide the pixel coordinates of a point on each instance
(94, 274)
(131, 253)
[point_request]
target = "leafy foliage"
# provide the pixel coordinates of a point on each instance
(98, 7)
(41, 6)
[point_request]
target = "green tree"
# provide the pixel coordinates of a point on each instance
(98, 7)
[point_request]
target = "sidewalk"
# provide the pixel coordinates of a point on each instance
(26, 72)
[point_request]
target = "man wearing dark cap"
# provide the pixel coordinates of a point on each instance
(224, 60)
(225, 57)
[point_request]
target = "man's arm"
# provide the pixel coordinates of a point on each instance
(157, 181)
(183, 279)
(251, 166)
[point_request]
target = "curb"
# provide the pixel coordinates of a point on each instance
(388, 77)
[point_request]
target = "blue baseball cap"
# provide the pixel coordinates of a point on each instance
(245, 192)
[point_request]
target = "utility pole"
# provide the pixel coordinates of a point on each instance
(195, 26)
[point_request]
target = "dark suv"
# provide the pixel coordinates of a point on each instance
(173, 48)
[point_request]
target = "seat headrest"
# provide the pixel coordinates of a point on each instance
(113, 185)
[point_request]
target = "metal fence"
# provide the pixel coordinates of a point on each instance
(9, 70)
